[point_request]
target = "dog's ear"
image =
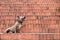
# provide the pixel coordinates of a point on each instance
(18, 16)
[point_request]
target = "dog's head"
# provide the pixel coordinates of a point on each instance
(21, 18)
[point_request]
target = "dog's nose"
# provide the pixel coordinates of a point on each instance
(22, 17)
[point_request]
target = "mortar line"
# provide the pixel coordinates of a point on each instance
(29, 33)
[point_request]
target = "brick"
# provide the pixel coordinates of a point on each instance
(46, 11)
(19, 36)
(30, 36)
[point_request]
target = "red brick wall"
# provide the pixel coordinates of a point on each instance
(30, 37)
(41, 16)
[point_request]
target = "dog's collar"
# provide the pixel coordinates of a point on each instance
(19, 21)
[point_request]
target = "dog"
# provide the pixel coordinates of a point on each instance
(17, 25)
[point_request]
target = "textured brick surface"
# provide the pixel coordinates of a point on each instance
(30, 37)
(41, 15)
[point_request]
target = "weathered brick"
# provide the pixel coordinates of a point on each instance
(36, 11)
(30, 36)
